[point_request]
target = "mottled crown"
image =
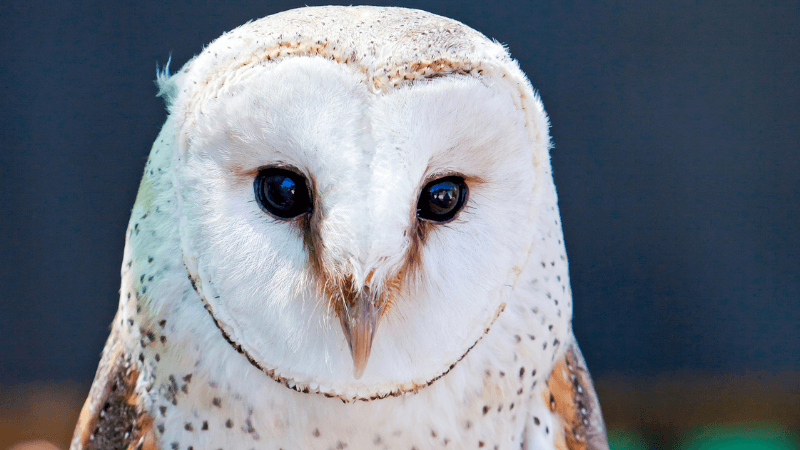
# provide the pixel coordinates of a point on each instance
(391, 47)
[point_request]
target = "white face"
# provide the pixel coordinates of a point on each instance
(366, 158)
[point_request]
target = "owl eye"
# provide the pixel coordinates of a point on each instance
(440, 200)
(282, 193)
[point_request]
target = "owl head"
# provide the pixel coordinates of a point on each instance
(357, 191)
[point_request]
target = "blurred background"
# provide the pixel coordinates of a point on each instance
(676, 160)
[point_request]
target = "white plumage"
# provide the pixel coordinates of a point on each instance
(221, 297)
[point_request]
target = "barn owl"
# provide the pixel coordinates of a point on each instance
(346, 236)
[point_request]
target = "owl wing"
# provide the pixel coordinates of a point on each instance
(571, 398)
(111, 418)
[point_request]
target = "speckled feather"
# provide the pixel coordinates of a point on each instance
(183, 370)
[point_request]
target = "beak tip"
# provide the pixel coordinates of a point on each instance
(358, 370)
(360, 355)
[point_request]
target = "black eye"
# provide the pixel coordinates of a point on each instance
(282, 193)
(440, 200)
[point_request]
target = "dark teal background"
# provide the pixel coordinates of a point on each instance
(676, 160)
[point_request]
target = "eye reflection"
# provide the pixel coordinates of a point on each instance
(282, 193)
(440, 200)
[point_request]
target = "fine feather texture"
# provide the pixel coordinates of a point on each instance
(220, 300)
(317, 126)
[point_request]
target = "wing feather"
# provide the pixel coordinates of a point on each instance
(111, 417)
(571, 397)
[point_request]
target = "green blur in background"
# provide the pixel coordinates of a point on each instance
(718, 437)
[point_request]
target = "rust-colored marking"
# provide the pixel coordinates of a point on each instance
(571, 398)
(112, 416)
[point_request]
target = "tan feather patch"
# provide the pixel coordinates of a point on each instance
(111, 416)
(571, 398)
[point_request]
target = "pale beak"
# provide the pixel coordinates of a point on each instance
(360, 317)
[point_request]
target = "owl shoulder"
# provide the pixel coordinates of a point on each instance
(112, 417)
(571, 398)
